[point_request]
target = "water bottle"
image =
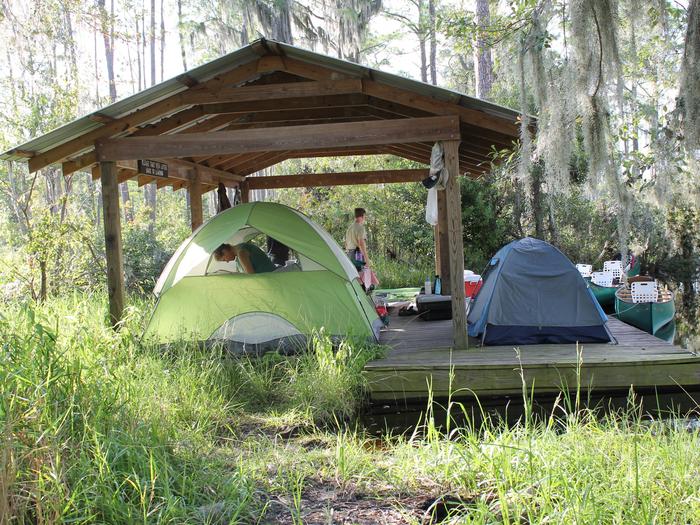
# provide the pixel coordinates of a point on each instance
(438, 285)
(428, 286)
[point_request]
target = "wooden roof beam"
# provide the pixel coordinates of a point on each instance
(336, 179)
(258, 106)
(366, 133)
(274, 91)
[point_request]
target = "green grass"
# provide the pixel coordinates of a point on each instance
(98, 428)
(393, 273)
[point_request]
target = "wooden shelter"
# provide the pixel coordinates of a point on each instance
(267, 102)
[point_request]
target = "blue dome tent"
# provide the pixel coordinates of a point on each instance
(533, 294)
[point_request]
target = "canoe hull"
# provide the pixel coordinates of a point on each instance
(605, 295)
(650, 317)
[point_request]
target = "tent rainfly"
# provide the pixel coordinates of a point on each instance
(204, 300)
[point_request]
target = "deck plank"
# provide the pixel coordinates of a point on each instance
(420, 355)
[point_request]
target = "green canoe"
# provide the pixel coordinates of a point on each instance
(604, 294)
(668, 332)
(650, 317)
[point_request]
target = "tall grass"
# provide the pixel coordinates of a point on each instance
(99, 428)
(395, 273)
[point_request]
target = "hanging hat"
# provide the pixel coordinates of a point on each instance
(430, 181)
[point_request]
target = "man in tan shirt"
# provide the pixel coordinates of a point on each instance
(356, 237)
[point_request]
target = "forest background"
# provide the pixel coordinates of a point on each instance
(613, 166)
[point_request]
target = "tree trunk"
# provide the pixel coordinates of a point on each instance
(181, 35)
(96, 68)
(517, 207)
(107, 28)
(94, 200)
(423, 60)
(162, 41)
(423, 31)
(70, 41)
(635, 124)
(150, 190)
(43, 286)
(553, 230)
(537, 200)
(433, 42)
(482, 61)
(152, 39)
(138, 54)
(689, 93)
(285, 23)
(14, 198)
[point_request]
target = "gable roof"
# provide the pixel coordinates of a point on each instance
(165, 108)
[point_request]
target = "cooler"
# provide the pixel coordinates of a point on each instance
(433, 307)
(472, 283)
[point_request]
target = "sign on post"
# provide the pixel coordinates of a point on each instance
(152, 168)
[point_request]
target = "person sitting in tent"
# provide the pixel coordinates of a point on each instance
(249, 258)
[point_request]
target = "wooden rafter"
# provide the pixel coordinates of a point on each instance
(171, 123)
(263, 163)
(245, 160)
(412, 99)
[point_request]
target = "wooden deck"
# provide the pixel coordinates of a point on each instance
(420, 356)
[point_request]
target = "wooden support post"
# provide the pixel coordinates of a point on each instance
(456, 244)
(195, 191)
(113, 241)
(443, 269)
(245, 192)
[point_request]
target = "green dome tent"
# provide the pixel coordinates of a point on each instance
(201, 299)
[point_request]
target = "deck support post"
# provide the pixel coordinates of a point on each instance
(195, 191)
(443, 245)
(245, 192)
(113, 241)
(456, 244)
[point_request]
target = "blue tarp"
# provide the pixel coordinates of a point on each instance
(533, 294)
